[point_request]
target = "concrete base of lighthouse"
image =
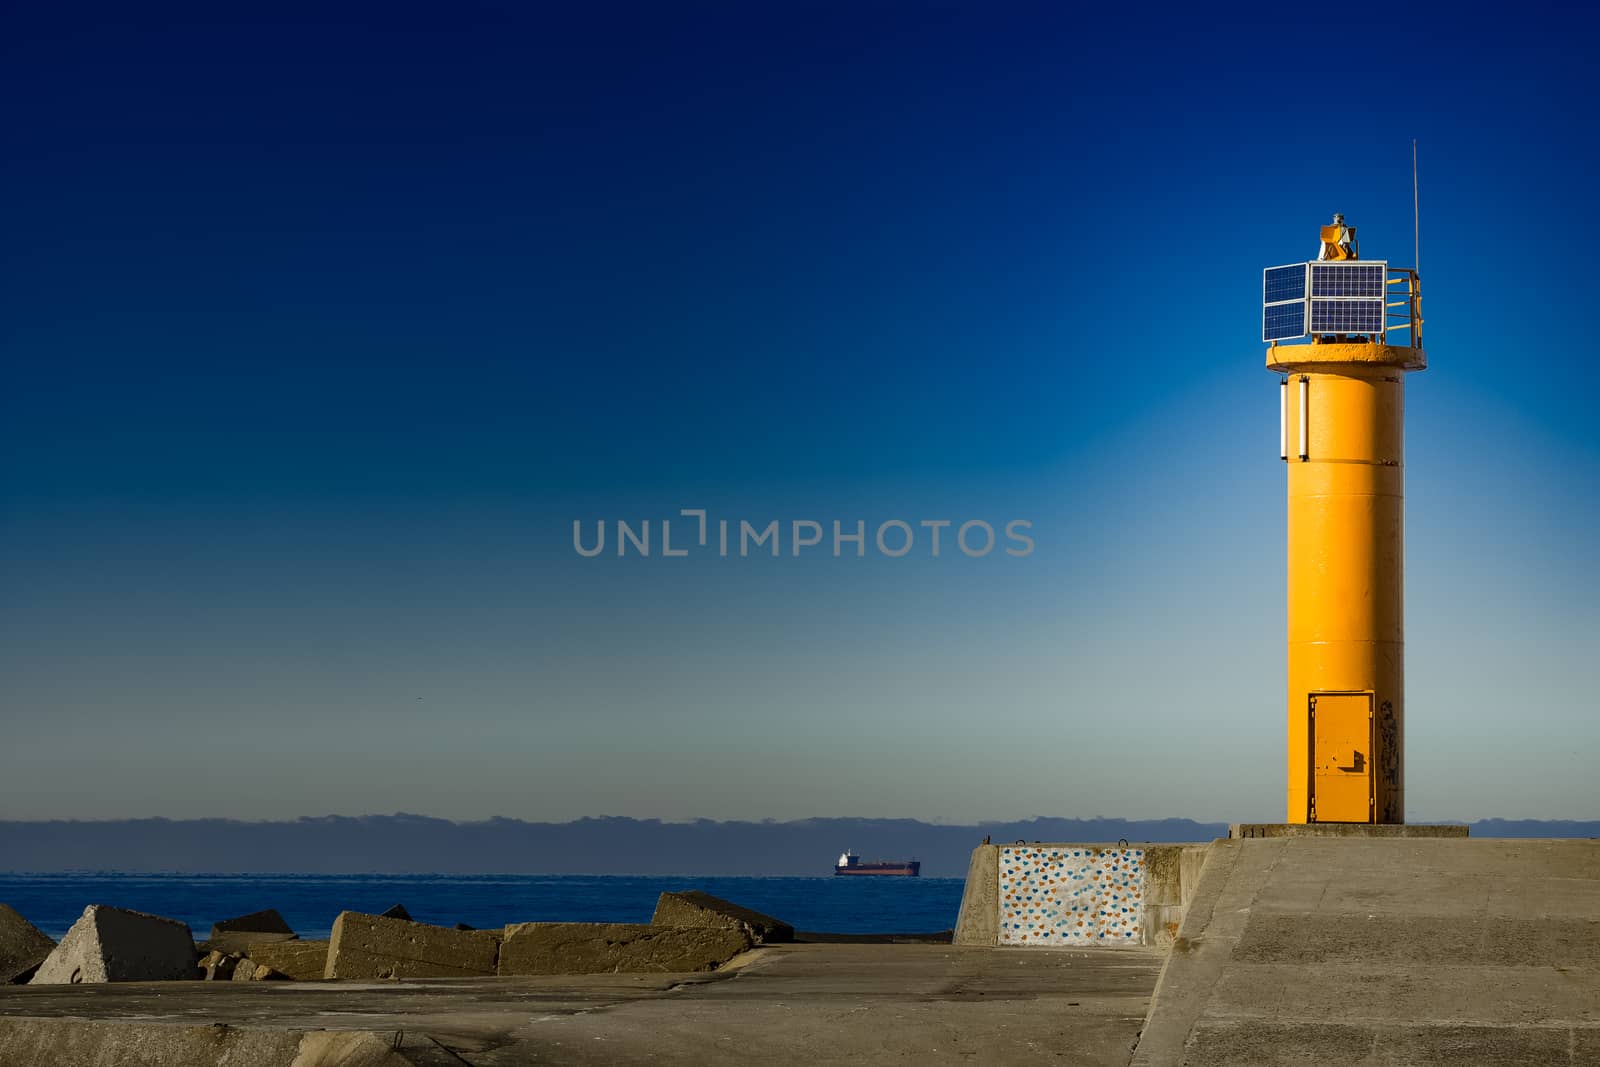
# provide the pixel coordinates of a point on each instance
(1242, 830)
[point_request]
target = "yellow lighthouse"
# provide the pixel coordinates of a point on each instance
(1328, 323)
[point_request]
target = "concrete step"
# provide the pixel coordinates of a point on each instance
(1370, 951)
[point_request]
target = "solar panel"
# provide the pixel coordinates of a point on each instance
(1346, 316)
(1348, 279)
(1283, 283)
(1283, 300)
(1282, 321)
(1323, 298)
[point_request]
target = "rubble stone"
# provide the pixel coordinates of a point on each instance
(217, 966)
(22, 947)
(694, 908)
(605, 948)
(115, 945)
(397, 911)
(372, 946)
(251, 971)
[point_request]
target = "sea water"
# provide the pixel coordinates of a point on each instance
(309, 902)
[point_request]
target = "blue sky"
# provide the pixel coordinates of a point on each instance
(322, 325)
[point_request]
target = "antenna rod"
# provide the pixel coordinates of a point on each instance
(1416, 218)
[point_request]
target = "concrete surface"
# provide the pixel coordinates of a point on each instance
(1190, 864)
(305, 961)
(823, 937)
(116, 945)
(607, 948)
(1384, 951)
(1343, 829)
(823, 1004)
(1171, 874)
(84, 1043)
(694, 908)
(22, 946)
(978, 922)
(373, 946)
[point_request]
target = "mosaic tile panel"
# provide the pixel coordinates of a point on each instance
(1070, 896)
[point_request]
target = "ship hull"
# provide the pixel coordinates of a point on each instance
(879, 870)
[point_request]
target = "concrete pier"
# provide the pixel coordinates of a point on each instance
(1376, 950)
(822, 1004)
(1384, 951)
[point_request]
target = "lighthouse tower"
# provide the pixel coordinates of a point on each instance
(1342, 333)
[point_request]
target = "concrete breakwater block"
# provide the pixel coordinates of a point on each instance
(304, 961)
(115, 945)
(22, 947)
(371, 946)
(607, 948)
(234, 935)
(694, 908)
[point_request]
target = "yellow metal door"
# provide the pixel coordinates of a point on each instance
(1341, 757)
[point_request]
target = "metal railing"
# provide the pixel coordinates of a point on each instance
(1408, 317)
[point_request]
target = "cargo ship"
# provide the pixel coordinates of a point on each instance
(850, 863)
